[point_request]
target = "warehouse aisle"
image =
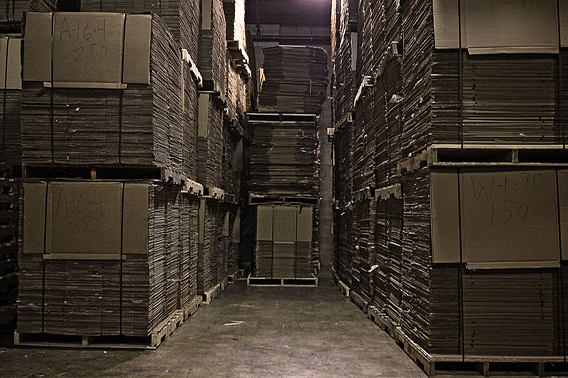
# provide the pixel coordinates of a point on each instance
(246, 332)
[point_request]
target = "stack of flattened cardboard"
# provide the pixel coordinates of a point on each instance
(284, 241)
(12, 11)
(430, 293)
(54, 5)
(210, 142)
(181, 17)
(67, 125)
(9, 231)
(509, 313)
(213, 45)
(209, 240)
(11, 92)
(78, 289)
(283, 158)
(296, 79)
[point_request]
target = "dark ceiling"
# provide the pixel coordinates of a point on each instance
(289, 12)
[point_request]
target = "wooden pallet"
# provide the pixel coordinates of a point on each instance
(110, 172)
(211, 294)
(486, 155)
(453, 364)
(343, 288)
(359, 301)
(282, 282)
(233, 277)
(224, 283)
(260, 199)
(157, 336)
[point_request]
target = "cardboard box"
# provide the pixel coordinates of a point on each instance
(444, 202)
(501, 27)
(510, 217)
(85, 220)
(88, 50)
(10, 63)
(264, 221)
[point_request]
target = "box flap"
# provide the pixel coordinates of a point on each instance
(491, 27)
(135, 219)
(137, 34)
(237, 228)
(34, 217)
(509, 216)
(444, 199)
(37, 47)
(84, 218)
(304, 228)
(284, 224)
(10, 66)
(264, 219)
(225, 231)
(563, 208)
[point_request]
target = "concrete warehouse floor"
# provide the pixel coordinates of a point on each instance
(245, 332)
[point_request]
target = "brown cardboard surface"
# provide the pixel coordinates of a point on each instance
(264, 221)
(135, 219)
(563, 209)
(37, 51)
(206, 14)
(444, 200)
(34, 217)
(494, 27)
(509, 216)
(137, 34)
(89, 48)
(304, 228)
(225, 231)
(84, 218)
(284, 224)
(203, 115)
(202, 204)
(237, 228)
(11, 67)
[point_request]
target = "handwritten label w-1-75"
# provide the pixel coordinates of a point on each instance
(507, 196)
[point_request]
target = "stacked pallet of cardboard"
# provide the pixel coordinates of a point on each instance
(137, 126)
(446, 299)
(210, 254)
(11, 92)
(210, 142)
(296, 79)
(213, 45)
(283, 158)
(9, 231)
(82, 292)
(284, 241)
(115, 257)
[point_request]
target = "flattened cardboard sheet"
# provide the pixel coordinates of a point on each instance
(509, 216)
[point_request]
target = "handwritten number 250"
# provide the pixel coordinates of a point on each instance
(95, 53)
(527, 4)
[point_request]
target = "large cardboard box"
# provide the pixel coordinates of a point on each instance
(501, 27)
(88, 49)
(497, 218)
(85, 220)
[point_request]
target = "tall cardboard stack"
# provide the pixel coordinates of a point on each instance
(9, 231)
(432, 121)
(108, 257)
(283, 160)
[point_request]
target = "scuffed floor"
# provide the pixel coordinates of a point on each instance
(245, 332)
